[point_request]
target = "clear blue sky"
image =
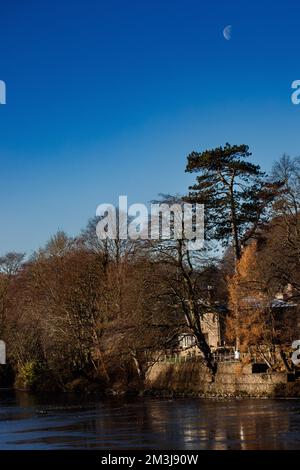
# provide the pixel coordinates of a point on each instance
(107, 97)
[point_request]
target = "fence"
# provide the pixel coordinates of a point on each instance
(174, 358)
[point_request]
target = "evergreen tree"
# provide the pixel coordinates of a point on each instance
(235, 193)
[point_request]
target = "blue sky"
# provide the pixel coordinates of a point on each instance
(108, 97)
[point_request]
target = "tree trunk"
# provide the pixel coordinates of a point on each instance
(284, 360)
(205, 349)
(234, 229)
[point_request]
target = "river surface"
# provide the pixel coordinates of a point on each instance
(69, 422)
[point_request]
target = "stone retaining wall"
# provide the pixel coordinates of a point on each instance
(231, 379)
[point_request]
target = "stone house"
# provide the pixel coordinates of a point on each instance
(212, 325)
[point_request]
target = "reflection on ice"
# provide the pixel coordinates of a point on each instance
(60, 422)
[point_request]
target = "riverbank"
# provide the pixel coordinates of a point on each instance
(193, 380)
(165, 379)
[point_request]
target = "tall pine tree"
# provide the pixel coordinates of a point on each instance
(235, 193)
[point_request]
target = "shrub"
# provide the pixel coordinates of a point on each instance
(30, 374)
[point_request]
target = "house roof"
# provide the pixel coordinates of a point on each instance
(275, 303)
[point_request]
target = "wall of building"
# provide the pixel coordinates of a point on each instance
(211, 327)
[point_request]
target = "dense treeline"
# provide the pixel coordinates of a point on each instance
(75, 312)
(84, 311)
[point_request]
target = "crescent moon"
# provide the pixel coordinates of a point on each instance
(227, 31)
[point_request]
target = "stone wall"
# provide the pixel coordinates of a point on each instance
(231, 379)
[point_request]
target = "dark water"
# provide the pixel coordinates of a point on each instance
(63, 422)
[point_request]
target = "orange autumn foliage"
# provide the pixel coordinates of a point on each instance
(249, 319)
